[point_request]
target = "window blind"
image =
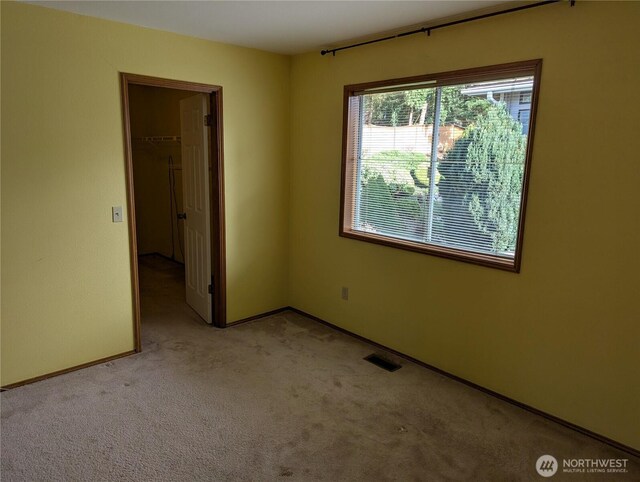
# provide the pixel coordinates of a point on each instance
(439, 166)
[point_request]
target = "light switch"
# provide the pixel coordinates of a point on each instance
(116, 214)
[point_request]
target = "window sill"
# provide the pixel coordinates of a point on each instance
(486, 260)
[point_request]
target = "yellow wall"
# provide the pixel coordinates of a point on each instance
(155, 111)
(563, 335)
(65, 265)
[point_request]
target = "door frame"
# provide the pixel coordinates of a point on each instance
(216, 194)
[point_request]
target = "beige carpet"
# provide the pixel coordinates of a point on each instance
(283, 398)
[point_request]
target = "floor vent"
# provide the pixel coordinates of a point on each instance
(382, 362)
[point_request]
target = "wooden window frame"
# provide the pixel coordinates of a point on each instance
(349, 167)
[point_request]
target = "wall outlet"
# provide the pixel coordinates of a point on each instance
(345, 293)
(116, 214)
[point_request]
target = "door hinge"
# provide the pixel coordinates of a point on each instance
(208, 120)
(210, 289)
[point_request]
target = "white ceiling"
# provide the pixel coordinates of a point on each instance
(287, 27)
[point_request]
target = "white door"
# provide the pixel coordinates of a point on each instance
(195, 185)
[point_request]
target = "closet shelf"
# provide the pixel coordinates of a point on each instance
(158, 140)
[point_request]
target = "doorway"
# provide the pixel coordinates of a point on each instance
(183, 153)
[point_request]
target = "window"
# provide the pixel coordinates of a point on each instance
(523, 118)
(525, 98)
(434, 164)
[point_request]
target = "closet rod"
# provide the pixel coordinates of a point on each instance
(158, 139)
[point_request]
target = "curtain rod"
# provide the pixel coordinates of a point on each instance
(428, 30)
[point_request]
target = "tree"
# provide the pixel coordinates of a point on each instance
(387, 109)
(482, 183)
(417, 99)
(457, 108)
(400, 108)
